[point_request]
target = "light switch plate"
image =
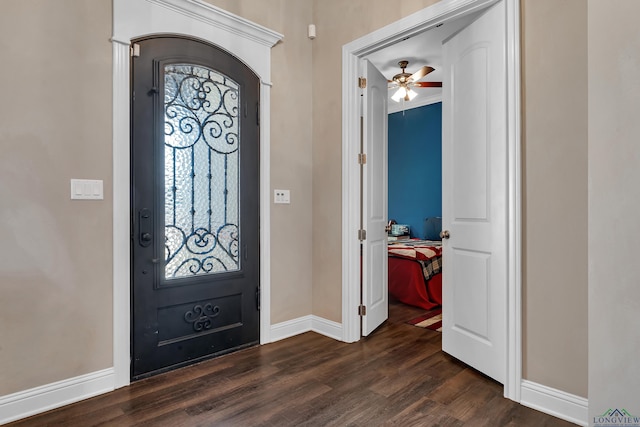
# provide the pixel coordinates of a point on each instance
(282, 196)
(87, 189)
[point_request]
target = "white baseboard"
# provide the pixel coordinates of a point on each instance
(44, 398)
(304, 324)
(555, 402)
(326, 327)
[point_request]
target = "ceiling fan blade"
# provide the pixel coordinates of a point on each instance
(427, 84)
(421, 73)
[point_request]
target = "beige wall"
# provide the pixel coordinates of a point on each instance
(55, 253)
(313, 221)
(338, 23)
(555, 193)
(614, 206)
(55, 263)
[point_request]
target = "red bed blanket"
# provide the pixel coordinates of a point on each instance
(414, 273)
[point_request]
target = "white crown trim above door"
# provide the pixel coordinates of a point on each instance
(249, 42)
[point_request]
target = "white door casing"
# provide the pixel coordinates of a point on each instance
(474, 172)
(352, 53)
(374, 211)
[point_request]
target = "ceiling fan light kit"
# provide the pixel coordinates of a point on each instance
(404, 93)
(405, 82)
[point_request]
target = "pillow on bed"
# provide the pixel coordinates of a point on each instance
(432, 228)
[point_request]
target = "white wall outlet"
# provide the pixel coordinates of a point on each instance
(282, 196)
(87, 189)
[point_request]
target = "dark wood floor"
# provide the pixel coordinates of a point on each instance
(397, 376)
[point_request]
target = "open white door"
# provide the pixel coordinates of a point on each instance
(474, 211)
(374, 211)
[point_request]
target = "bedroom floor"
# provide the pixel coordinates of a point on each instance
(396, 376)
(400, 313)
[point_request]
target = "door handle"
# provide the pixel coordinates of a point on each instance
(145, 224)
(444, 234)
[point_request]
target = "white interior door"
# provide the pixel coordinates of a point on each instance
(374, 209)
(474, 208)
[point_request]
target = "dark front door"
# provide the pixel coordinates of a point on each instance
(195, 204)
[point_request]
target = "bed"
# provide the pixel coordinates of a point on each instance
(415, 272)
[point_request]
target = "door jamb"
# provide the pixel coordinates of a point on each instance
(352, 53)
(249, 42)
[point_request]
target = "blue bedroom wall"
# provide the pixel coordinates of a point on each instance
(415, 166)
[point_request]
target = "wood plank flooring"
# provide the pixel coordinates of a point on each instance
(397, 376)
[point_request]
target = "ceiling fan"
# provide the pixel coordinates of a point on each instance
(405, 82)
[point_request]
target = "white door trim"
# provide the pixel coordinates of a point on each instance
(247, 41)
(352, 52)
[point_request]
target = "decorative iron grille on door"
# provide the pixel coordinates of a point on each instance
(201, 171)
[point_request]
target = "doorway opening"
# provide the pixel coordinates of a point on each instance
(415, 265)
(353, 53)
(247, 41)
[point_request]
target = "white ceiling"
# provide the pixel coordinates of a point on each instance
(421, 49)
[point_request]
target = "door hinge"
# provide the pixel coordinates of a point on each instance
(258, 114)
(258, 298)
(362, 310)
(362, 235)
(362, 159)
(135, 50)
(362, 82)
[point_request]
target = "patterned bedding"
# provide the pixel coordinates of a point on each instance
(414, 268)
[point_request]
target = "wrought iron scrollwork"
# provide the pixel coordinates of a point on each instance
(201, 316)
(200, 105)
(201, 171)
